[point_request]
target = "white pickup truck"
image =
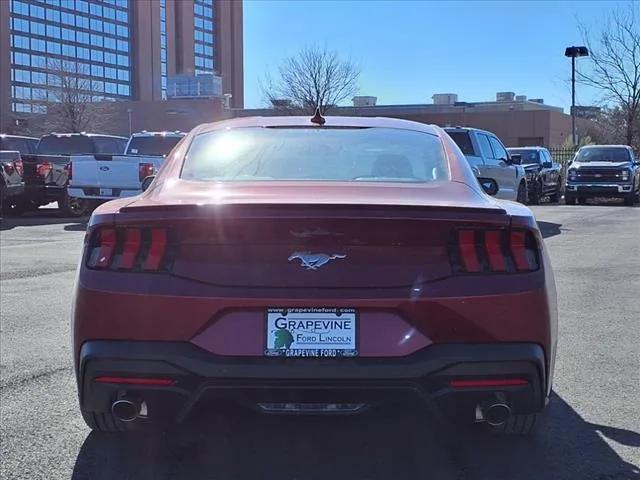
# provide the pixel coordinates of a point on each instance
(107, 177)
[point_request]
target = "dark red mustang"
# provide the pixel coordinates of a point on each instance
(291, 265)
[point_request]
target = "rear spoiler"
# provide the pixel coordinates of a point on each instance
(306, 210)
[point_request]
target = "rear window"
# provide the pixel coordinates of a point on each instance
(109, 145)
(323, 154)
(66, 145)
(528, 156)
(22, 145)
(463, 140)
(156, 145)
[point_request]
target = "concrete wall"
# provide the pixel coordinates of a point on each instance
(229, 53)
(515, 128)
(157, 116)
(185, 55)
(146, 50)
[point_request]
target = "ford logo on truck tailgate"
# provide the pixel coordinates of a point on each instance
(104, 169)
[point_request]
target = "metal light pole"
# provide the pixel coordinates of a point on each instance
(574, 52)
(130, 111)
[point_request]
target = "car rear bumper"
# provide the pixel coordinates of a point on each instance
(201, 378)
(12, 190)
(97, 193)
(598, 189)
(43, 193)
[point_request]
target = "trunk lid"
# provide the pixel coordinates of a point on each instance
(334, 236)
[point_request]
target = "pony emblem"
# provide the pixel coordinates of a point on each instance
(313, 261)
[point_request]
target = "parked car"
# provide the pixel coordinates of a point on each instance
(544, 176)
(18, 143)
(610, 171)
(323, 266)
(47, 171)
(11, 182)
(106, 177)
(490, 159)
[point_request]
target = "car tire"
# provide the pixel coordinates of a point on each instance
(630, 199)
(103, 422)
(582, 200)
(522, 193)
(569, 199)
(517, 425)
(74, 207)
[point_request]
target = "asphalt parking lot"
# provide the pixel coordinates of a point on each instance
(592, 430)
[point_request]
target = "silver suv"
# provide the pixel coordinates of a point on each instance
(489, 159)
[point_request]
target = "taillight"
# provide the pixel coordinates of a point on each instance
(68, 168)
(43, 169)
(8, 168)
(19, 167)
(145, 170)
(131, 249)
(494, 251)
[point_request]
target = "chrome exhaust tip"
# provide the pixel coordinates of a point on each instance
(126, 409)
(496, 413)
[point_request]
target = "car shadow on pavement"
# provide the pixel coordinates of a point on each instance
(43, 216)
(549, 229)
(396, 444)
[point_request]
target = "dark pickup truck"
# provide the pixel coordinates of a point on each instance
(544, 176)
(46, 173)
(610, 171)
(11, 170)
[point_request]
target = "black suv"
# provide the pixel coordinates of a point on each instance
(544, 176)
(603, 171)
(46, 173)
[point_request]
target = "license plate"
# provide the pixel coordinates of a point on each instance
(311, 332)
(106, 192)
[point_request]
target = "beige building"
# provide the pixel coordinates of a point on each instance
(516, 120)
(133, 53)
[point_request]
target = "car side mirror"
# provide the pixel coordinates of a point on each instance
(489, 185)
(547, 165)
(516, 159)
(147, 182)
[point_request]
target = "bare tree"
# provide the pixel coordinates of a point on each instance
(69, 99)
(314, 78)
(615, 65)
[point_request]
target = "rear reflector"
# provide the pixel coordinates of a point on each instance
(486, 382)
(160, 382)
(131, 249)
(494, 251)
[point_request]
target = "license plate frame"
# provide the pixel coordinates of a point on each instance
(106, 192)
(337, 336)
